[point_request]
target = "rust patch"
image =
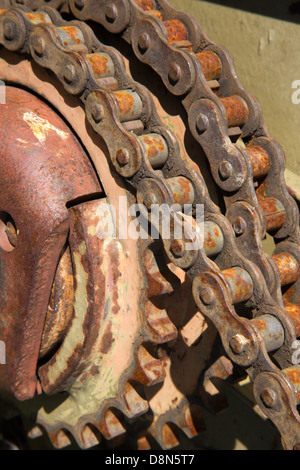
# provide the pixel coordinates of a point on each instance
(262, 327)
(260, 161)
(288, 268)
(107, 340)
(115, 273)
(261, 191)
(240, 289)
(154, 146)
(176, 31)
(293, 375)
(293, 312)
(211, 65)
(60, 307)
(125, 102)
(99, 64)
(210, 242)
(146, 5)
(236, 109)
(275, 213)
(156, 13)
(94, 370)
(71, 31)
(182, 189)
(36, 18)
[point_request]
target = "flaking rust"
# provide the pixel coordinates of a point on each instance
(41, 127)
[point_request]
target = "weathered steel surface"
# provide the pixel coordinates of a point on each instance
(42, 169)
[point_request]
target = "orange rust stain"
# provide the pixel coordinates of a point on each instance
(241, 290)
(288, 268)
(236, 109)
(116, 274)
(262, 326)
(154, 146)
(99, 64)
(261, 191)
(293, 312)
(182, 190)
(72, 32)
(146, 5)
(125, 101)
(176, 31)
(209, 240)
(275, 216)
(260, 161)
(217, 232)
(36, 17)
(294, 375)
(211, 65)
(156, 13)
(288, 294)
(107, 340)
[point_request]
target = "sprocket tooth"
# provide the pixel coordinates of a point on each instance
(157, 283)
(191, 421)
(110, 427)
(169, 439)
(35, 432)
(159, 328)
(89, 437)
(214, 398)
(143, 443)
(135, 404)
(149, 371)
(60, 438)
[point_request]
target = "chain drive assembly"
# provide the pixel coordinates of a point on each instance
(252, 298)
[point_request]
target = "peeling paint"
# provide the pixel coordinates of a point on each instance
(40, 127)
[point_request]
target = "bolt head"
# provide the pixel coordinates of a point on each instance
(149, 199)
(239, 226)
(111, 13)
(9, 30)
(174, 73)
(69, 73)
(225, 170)
(268, 397)
(238, 344)
(79, 4)
(202, 123)
(207, 295)
(144, 42)
(39, 46)
(122, 157)
(177, 247)
(97, 113)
